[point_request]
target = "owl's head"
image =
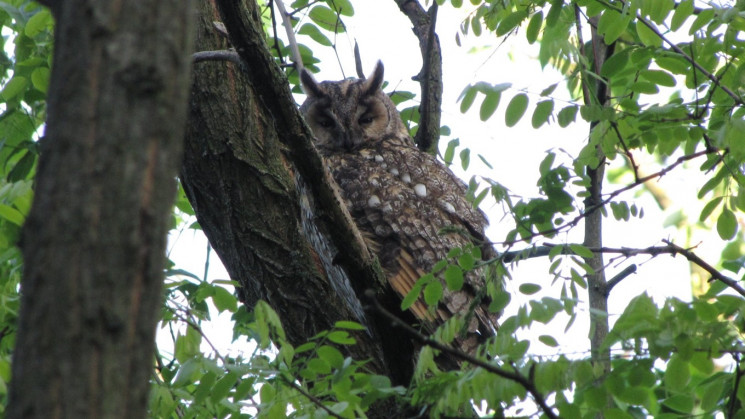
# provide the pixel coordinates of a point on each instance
(345, 115)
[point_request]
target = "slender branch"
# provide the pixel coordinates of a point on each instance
(671, 249)
(312, 398)
(589, 210)
(510, 375)
(223, 55)
(733, 397)
(715, 274)
(738, 100)
(714, 79)
(618, 278)
(287, 23)
(430, 76)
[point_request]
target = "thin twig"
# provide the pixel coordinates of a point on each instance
(312, 398)
(715, 274)
(287, 23)
(589, 210)
(514, 376)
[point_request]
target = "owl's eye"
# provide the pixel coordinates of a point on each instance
(364, 120)
(326, 123)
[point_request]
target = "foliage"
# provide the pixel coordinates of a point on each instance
(24, 75)
(670, 88)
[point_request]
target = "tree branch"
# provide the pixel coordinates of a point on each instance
(223, 55)
(591, 209)
(513, 376)
(715, 274)
(430, 76)
(312, 398)
(248, 41)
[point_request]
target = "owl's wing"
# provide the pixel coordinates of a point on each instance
(403, 200)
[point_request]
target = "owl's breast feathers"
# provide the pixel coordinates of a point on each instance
(412, 211)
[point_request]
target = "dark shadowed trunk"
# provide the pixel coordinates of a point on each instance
(94, 242)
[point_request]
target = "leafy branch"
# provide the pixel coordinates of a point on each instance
(590, 209)
(670, 248)
(525, 382)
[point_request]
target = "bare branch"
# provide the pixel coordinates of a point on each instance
(287, 23)
(223, 55)
(618, 278)
(715, 274)
(430, 76)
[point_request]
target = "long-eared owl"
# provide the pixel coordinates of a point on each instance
(410, 208)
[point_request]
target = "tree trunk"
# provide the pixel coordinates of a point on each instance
(94, 241)
(256, 205)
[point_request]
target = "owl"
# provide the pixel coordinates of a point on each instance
(410, 208)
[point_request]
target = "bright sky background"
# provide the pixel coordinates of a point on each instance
(384, 33)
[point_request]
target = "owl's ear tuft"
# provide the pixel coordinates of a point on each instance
(375, 81)
(310, 85)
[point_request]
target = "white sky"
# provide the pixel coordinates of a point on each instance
(384, 33)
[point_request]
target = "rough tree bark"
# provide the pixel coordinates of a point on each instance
(94, 241)
(264, 200)
(240, 179)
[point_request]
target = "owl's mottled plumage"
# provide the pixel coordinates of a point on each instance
(410, 207)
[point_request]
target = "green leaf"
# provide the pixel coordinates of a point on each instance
(325, 18)
(726, 224)
(581, 251)
(11, 214)
(567, 115)
(222, 387)
(331, 355)
(659, 77)
(548, 340)
(411, 297)
(224, 300)
(467, 98)
(341, 337)
(186, 373)
(709, 208)
(677, 374)
(349, 325)
(516, 109)
(542, 112)
(681, 14)
(38, 23)
(465, 158)
(647, 35)
(612, 24)
(187, 345)
(511, 22)
(682, 403)
(489, 105)
(534, 27)
(267, 393)
(529, 289)
(702, 19)
(343, 7)
(14, 87)
(615, 413)
(315, 34)
(433, 293)
(615, 63)
(454, 277)
(450, 151)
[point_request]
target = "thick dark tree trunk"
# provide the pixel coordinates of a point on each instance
(94, 242)
(242, 180)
